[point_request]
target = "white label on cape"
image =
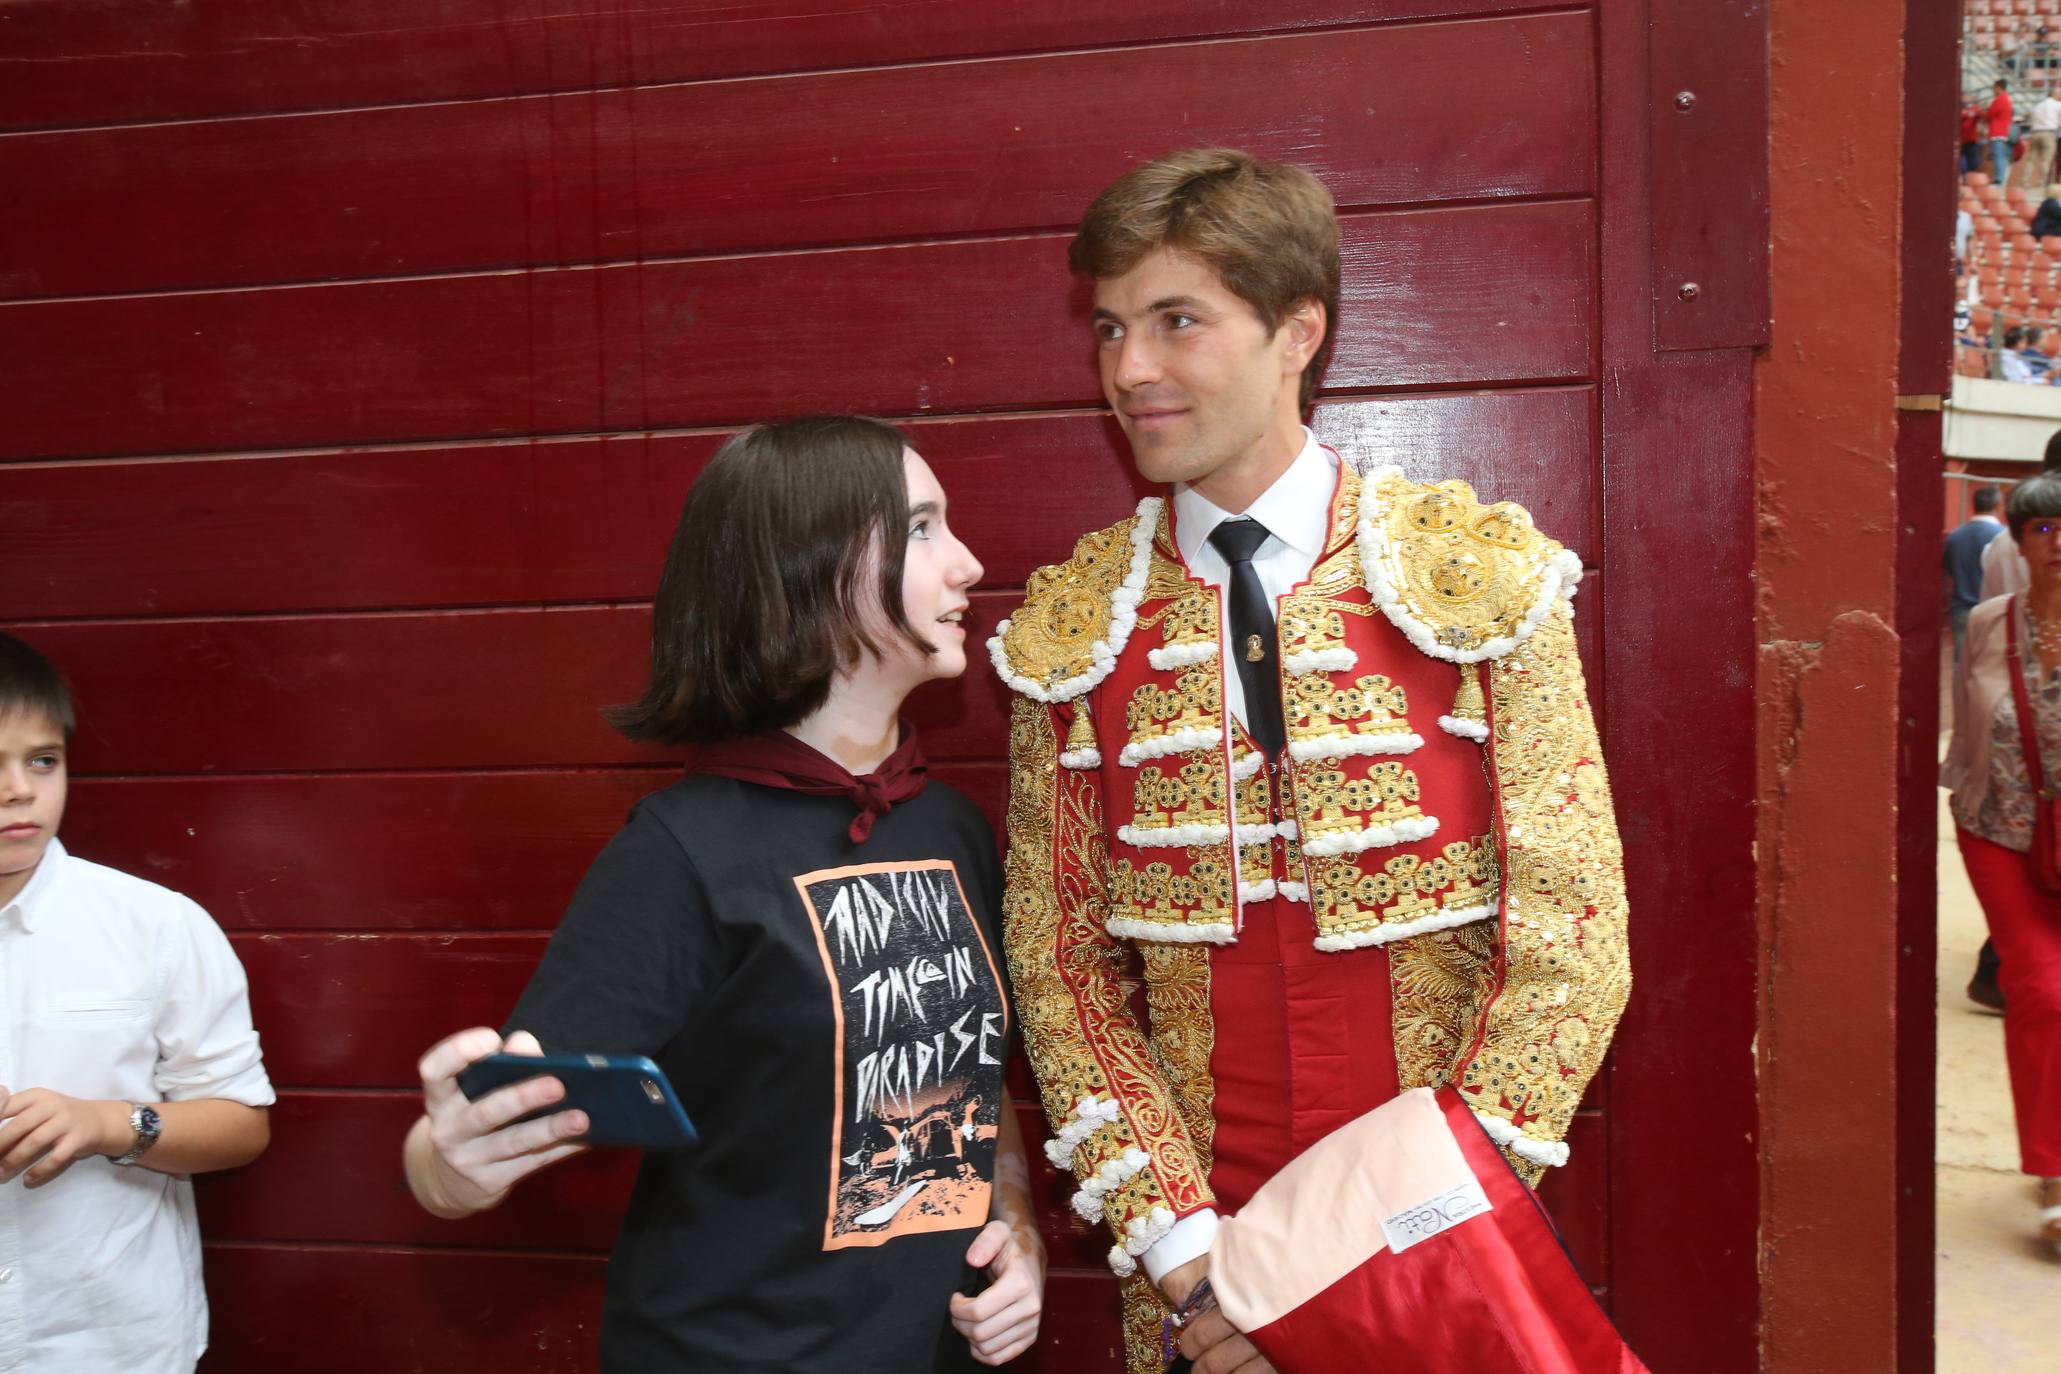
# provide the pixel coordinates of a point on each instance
(1420, 1223)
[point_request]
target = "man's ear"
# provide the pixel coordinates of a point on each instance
(1305, 325)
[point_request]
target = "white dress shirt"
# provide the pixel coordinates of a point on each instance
(1297, 513)
(112, 988)
(1296, 510)
(2046, 117)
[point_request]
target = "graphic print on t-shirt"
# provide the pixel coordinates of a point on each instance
(921, 1034)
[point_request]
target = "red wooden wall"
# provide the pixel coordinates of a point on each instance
(357, 356)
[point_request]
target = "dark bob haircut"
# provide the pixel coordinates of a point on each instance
(788, 540)
(2036, 498)
(30, 685)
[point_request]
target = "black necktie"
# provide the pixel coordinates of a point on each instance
(1252, 631)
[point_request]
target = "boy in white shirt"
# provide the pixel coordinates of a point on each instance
(127, 1063)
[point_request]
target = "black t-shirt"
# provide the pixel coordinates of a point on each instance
(833, 1018)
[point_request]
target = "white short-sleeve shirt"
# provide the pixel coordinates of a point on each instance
(112, 987)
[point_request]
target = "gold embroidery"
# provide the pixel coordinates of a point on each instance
(1309, 626)
(1157, 715)
(1189, 621)
(1194, 796)
(1069, 608)
(1372, 705)
(1468, 573)
(1080, 735)
(1350, 899)
(1144, 1319)
(1342, 805)
(1467, 701)
(1078, 1028)
(1567, 973)
(1436, 982)
(1183, 1035)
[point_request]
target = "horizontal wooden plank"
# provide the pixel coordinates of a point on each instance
(407, 851)
(1428, 300)
(805, 161)
(105, 61)
(352, 1141)
(589, 519)
(439, 690)
(320, 1310)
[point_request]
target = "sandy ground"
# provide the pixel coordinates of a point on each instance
(1999, 1287)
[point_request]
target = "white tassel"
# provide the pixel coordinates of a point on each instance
(1176, 656)
(1340, 745)
(1405, 831)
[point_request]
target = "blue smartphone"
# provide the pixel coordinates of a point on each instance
(626, 1097)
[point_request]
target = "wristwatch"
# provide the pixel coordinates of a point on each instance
(146, 1123)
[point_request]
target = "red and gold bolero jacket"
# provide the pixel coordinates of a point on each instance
(1443, 796)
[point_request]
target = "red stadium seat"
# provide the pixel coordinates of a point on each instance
(1975, 180)
(1979, 320)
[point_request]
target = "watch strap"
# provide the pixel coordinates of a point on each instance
(146, 1124)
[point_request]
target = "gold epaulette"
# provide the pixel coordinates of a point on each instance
(1077, 616)
(1464, 581)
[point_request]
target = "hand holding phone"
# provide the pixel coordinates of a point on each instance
(627, 1098)
(462, 1156)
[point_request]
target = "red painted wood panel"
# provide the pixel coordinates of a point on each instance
(440, 690)
(1677, 678)
(808, 161)
(1442, 297)
(347, 1310)
(393, 851)
(589, 519)
(99, 61)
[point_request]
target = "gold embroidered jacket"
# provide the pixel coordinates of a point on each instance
(1140, 821)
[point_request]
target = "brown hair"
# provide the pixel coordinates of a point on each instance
(30, 685)
(763, 597)
(1269, 230)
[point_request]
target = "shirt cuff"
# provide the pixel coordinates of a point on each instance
(1192, 1236)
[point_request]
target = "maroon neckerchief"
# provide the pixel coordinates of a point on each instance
(774, 758)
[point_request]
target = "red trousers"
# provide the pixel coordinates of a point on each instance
(1305, 1042)
(2026, 925)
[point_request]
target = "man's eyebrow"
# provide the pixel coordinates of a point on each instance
(923, 508)
(1173, 303)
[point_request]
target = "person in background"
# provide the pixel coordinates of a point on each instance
(751, 928)
(2046, 219)
(1996, 121)
(2011, 362)
(1962, 558)
(127, 1064)
(2012, 666)
(2003, 573)
(1971, 136)
(2042, 126)
(2037, 364)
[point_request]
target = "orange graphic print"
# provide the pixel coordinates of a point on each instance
(921, 1030)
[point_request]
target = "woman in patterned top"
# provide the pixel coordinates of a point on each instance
(1995, 803)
